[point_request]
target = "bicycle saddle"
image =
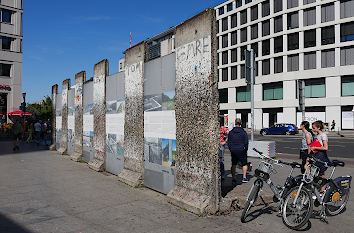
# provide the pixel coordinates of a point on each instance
(336, 163)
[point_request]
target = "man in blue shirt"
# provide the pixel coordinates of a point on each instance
(238, 145)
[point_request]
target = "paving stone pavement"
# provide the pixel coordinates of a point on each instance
(41, 191)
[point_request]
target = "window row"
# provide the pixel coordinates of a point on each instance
(5, 43)
(309, 15)
(5, 15)
(5, 70)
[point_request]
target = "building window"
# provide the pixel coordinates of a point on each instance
(238, 3)
(273, 91)
(293, 3)
(5, 70)
(266, 67)
(243, 17)
(256, 69)
(229, 7)
(233, 38)
(347, 32)
(315, 88)
(234, 73)
(254, 31)
(308, 1)
(218, 26)
(225, 41)
(347, 56)
(265, 8)
(265, 47)
(278, 44)
(6, 16)
(243, 34)
(293, 41)
(243, 94)
(278, 65)
(266, 28)
(243, 71)
(328, 58)
(310, 61)
(293, 63)
(233, 21)
(225, 56)
(221, 10)
(248, 1)
(243, 49)
(293, 20)
(278, 5)
(310, 16)
(6, 43)
(310, 38)
(348, 86)
(346, 8)
(224, 24)
(234, 55)
(327, 35)
(225, 75)
(327, 13)
(254, 12)
(224, 95)
(254, 46)
(278, 24)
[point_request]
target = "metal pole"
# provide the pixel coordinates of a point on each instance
(252, 74)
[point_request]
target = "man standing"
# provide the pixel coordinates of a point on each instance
(238, 145)
(38, 131)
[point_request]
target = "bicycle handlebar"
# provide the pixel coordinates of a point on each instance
(326, 164)
(294, 164)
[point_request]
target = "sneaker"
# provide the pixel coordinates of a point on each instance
(244, 180)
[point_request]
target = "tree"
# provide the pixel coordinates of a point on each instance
(42, 110)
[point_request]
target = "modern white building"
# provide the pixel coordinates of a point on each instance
(293, 39)
(11, 35)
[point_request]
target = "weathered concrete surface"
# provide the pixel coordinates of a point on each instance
(80, 79)
(64, 138)
(197, 109)
(101, 72)
(54, 115)
(133, 171)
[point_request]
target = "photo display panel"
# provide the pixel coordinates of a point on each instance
(58, 120)
(88, 122)
(71, 120)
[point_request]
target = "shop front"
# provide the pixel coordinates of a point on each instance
(3, 107)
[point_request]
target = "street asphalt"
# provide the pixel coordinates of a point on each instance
(41, 191)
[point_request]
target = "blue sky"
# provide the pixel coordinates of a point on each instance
(62, 38)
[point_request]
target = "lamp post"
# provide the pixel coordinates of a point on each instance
(24, 108)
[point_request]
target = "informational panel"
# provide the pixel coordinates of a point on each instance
(115, 112)
(58, 121)
(311, 117)
(71, 120)
(347, 120)
(160, 123)
(88, 122)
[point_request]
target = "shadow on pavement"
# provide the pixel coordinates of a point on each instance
(226, 184)
(9, 226)
(6, 147)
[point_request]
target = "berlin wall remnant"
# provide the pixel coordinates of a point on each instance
(64, 138)
(101, 72)
(197, 108)
(80, 79)
(133, 171)
(54, 115)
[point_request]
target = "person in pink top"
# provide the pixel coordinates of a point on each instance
(224, 131)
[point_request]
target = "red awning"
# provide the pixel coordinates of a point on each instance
(19, 113)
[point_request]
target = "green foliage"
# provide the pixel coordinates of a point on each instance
(41, 111)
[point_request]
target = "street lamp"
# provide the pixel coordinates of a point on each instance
(24, 108)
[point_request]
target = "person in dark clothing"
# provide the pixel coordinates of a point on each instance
(238, 145)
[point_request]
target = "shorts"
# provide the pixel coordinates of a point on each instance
(239, 157)
(324, 158)
(18, 137)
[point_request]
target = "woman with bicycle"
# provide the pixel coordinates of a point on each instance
(307, 139)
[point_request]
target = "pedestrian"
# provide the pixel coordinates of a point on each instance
(307, 139)
(17, 131)
(223, 140)
(238, 145)
(30, 132)
(37, 131)
(333, 126)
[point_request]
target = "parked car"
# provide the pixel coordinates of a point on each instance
(281, 129)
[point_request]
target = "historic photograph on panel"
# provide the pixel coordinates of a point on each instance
(111, 143)
(153, 150)
(168, 152)
(120, 106)
(153, 103)
(70, 136)
(120, 145)
(86, 139)
(168, 101)
(111, 107)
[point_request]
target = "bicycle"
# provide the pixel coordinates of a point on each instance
(263, 172)
(298, 204)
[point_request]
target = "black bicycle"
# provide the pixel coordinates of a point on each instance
(263, 172)
(298, 204)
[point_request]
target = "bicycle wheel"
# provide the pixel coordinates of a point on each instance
(296, 216)
(252, 198)
(336, 207)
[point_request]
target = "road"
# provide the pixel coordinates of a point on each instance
(41, 191)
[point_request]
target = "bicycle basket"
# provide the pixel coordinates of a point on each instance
(311, 172)
(265, 167)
